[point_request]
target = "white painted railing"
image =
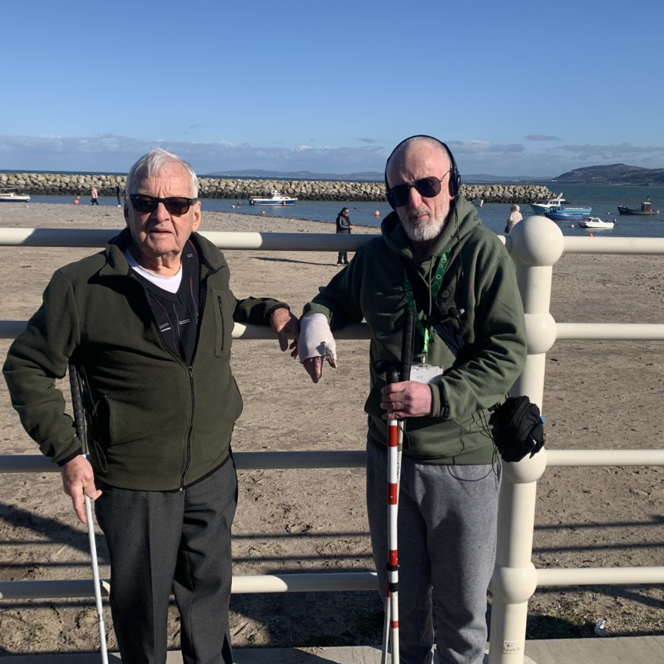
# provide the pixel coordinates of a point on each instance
(535, 245)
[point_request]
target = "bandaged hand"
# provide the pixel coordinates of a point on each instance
(315, 344)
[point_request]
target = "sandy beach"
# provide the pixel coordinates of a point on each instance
(598, 395)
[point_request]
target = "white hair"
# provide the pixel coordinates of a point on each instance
(153, 162)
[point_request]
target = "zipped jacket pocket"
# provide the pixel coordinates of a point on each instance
(223, 315)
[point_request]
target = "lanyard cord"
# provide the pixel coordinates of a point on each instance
(426, 330)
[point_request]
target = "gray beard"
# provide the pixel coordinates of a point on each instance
(423, 233)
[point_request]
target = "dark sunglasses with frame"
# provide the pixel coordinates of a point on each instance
(176, 205)
(427, 187)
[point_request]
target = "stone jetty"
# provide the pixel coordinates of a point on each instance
(69, 184)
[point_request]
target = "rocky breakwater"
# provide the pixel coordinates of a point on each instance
(69, 184)
(64, 184)
(324, 190)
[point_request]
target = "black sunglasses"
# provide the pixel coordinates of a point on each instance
(427, 187)
(176, 205)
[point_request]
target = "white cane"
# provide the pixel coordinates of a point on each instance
(395, 431)
(79, 421)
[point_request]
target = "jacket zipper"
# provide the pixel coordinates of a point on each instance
(191, 427)
(190, 369)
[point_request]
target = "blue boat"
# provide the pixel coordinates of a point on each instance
(564, 215)
(555, 205)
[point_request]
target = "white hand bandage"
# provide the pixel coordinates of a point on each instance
(316, 339)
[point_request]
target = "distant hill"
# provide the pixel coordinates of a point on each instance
(485, 178)
(613, 174)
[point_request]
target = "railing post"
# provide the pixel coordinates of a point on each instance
(535, 245)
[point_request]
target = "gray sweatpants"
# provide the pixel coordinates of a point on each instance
(447, 547)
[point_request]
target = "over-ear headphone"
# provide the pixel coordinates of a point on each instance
(455, 178)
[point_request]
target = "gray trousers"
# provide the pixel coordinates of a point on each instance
(446, 545)
(179, 541)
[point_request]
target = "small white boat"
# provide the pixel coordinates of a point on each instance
(11, 196)
(275, 199)
(596, 222)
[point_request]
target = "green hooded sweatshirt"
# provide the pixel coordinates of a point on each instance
(482, 352)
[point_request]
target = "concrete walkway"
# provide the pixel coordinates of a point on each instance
(621, 650)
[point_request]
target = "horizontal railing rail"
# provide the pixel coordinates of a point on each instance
(226, 240)
(10, 329)
(230, 240)
(37, 463)
(344, 581)
(302, 582)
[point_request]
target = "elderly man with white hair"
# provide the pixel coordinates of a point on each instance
(148, 323)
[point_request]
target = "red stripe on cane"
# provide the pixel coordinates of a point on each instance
(392, 494)
(395, 624)
(393, 436)
(393, 557)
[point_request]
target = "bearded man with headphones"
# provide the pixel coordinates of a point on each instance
(435, 257)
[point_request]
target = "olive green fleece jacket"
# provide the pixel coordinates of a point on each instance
(480, 279)
(154, 423)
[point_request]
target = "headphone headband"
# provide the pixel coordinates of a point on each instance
(455, 178)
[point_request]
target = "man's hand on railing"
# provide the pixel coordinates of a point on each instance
(78, 481)
(286, 326)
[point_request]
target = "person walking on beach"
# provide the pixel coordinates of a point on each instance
(344, 227)
(435, 257)
(94, 196)
(148, 323)
(514, 218)
(118, 194)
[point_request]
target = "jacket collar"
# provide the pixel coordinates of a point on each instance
(116, 264)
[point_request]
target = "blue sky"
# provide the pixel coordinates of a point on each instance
(516, 88)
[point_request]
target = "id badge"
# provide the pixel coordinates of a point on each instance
(425, 373)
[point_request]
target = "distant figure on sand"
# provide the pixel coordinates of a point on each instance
(343, 226)
(94, 196)
(514, 218)
(118, 194)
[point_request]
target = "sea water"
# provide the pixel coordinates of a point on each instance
(604, 200)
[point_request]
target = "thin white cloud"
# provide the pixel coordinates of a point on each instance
(478, 148)
(113, 153)
(117, 153)
(541, 137)
(621, 151)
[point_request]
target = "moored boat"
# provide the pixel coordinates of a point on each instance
(12, 196)
(275, 199)
(563, 215)
(555, 205)
(596, 222)
(645, 210)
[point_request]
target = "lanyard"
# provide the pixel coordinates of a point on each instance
(426, 329)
